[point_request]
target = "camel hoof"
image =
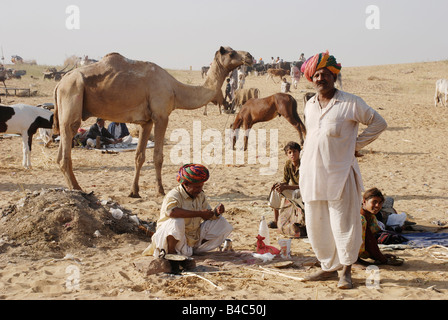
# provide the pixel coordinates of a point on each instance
(134, 195)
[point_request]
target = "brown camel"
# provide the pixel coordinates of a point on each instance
(123, 90)
(265, 109)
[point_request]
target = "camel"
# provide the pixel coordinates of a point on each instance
(265, 109)
(123, 90)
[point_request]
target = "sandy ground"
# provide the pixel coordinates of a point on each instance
(408, 163)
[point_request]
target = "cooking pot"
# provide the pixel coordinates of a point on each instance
(178, 262)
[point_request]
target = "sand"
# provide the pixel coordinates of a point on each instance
(49, 248)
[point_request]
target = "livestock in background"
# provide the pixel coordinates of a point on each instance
(266, 109)
(24, 120)
(204, 71)
(307, 96)
(441, 92)
(243, 95)
(277, 73)
(128, 91)
(4, 75)
(86, 61)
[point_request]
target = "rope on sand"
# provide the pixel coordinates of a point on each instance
(201, 277)
(269, 271)
(439, 255)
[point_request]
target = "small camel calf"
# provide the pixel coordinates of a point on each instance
(24, 120)
(441, 89)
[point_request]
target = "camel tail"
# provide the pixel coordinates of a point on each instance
(55, 116)
(297, 117)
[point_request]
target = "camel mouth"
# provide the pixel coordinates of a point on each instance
(248, 59)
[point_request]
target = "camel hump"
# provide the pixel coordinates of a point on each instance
(112, 55)
(116, 59)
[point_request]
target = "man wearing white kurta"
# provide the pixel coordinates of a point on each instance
(330, 178)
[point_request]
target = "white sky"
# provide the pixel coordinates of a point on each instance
(177, 34)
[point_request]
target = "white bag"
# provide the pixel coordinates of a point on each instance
(397, 219)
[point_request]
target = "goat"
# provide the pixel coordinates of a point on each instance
(24, 120)
(441, 89)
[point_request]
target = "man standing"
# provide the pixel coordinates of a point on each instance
(187, 224)
(330, 178)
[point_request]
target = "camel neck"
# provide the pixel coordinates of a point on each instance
(215, 76)
(193, 97)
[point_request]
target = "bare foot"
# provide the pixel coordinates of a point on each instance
(321, 275)
(345, 281)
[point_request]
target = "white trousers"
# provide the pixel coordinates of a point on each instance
(334, 227)
(214, 231)
(275, 199)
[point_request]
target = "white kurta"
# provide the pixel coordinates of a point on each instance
(331, 141)
(330, 179)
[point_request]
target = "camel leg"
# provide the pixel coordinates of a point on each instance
(297, 126)
(64, 153)
(140, 156)
(159, 137)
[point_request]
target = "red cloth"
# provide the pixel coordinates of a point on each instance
(262, 248)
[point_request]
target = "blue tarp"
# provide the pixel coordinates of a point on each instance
(426, 239)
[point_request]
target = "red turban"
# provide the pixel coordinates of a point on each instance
(193, 173)
(319, 61)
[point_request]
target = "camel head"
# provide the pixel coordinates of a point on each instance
(231, 59)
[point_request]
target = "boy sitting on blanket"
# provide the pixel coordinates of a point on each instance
(289, 187)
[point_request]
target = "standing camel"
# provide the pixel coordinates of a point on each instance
(265, 109)
(122, 90)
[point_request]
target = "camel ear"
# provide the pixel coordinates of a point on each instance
(222, 50)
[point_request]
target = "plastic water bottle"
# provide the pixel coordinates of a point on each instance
(263, 230)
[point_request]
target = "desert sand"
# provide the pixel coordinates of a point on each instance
(43, 261)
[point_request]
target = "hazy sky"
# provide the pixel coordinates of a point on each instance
(177, 34)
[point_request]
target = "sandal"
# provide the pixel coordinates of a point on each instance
(391, 261)
(272, 225)
(394, 261)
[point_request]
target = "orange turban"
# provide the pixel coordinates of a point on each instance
(319, 61)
